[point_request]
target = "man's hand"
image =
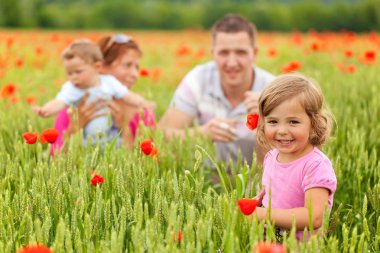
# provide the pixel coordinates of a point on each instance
(251, 102)
(220, 129)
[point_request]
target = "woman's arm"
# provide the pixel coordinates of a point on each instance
(317, 198)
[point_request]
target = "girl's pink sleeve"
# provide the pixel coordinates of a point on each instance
(61, 124)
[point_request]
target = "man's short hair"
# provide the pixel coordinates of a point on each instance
(233, 24)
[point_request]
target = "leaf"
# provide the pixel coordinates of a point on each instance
(240, 185)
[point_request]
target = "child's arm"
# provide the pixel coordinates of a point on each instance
(50, 108)
(136, 100)
(283, 218)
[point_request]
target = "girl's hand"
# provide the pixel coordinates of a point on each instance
(260, 197)
(260, 212)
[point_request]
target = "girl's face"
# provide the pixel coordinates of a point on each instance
(125, 68)
(287, 128)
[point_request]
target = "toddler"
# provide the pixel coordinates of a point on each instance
(82, 61)
(297, 175)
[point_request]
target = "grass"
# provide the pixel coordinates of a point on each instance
(143, 204)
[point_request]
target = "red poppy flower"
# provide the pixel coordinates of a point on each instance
(368, 58)
(183, 50)
(315, 46)
(347, 69)
(146, 146)
(297, 38)
(144, 72)
(19, 63)
(348, 53)
(31, 100)
(200, 53)
(38, 50)
(370, 55)
(268, 247)
(154, 153)
(9, 42)
(156, 73)
(247, 206)
(291, 67)
(15, 100)
(30, 137)
(179, 240)
(8, 90)
(42, 139)
(35, 248)
(272, 52)
(50, 135)
(97, 180)
(252, 121)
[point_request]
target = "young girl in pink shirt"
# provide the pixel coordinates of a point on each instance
(293, 123)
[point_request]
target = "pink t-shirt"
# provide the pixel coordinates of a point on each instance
(62, 122)
(289, 181)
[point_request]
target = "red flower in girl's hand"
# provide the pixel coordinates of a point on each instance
(252, 121)
(30, 137)
(247, 206)
(97, 180)
(50, 135)
(35, 248)
(146, 146)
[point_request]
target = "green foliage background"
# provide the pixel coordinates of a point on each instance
(167, 14)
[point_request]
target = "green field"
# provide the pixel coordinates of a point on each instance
(142, 205)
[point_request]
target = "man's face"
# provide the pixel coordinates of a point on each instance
(234, 55)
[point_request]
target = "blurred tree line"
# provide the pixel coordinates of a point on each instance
(270, 15)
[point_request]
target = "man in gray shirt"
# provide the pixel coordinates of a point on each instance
(219, 94)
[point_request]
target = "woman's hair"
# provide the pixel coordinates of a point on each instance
(308, 93)
(85, 49)
(113, 49)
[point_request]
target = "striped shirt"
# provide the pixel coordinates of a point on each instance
(200, 95)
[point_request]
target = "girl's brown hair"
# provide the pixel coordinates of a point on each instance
(113, 51)
(309, 95)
